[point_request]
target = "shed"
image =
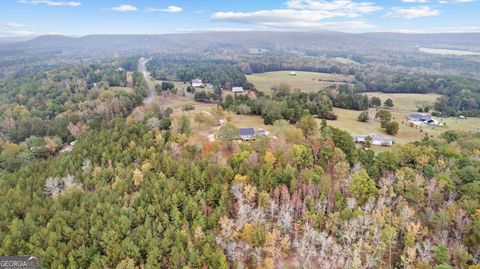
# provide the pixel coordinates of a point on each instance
(237, 89)
(197, 83)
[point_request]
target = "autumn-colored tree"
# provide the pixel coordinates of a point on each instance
(308, 125)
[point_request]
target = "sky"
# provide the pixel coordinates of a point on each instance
(83, 17)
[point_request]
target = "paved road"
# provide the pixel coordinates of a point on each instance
(142, 68)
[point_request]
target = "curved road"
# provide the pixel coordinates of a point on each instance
(142, 68)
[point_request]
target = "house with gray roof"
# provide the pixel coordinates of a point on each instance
(247, 133)
(418, 118)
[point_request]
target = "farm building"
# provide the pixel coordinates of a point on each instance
(418, 118)
(197, 83)
(237, 89)
(293, 73)
(261, 133)
(247, 133)
(375, 140)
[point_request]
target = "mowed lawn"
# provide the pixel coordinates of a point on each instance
(305, 81)
(348, 121)
(407, 101)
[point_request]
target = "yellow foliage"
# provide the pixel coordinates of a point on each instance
(250, 192)
(269, 158)
(285, 244)
(146, 166)
(239, 179)
(271, 242)
(247, 233)
(268, 263)
(159, 139)
(263, 199)
(132, 144)
(137, 177)
(96, 171)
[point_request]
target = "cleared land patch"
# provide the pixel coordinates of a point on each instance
(449, 52)
(407, 101)
(305, 81)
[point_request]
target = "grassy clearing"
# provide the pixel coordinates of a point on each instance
(407, 101)
(348, 121)
(306, 81)
(449, 52)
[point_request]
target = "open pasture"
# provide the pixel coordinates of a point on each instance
(305, 81)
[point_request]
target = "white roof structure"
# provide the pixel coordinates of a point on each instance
(197, 82)
(237, 89)
(375, 139)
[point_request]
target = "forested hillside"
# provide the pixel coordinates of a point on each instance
(40, 113)
(140, 195)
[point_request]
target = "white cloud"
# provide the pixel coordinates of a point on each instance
(455, 1)
(169, 9)
(415, 1)
(472, 29)
(124, 8)
(23, 33)
(335, 5)
(172, 9)
(14, 25)
(306, 14)
(51, 3)
(413, 12)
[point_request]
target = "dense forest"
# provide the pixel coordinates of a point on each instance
(49, 109)
(144, 196)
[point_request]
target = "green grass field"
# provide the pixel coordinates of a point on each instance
(348, 121)
(305, 81)
(407, 101)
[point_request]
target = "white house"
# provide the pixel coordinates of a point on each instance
(375, 140)
(237, 89)
(197, 83)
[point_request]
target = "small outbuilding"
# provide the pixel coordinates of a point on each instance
(237, 89)
(247, 133)
(197, 83)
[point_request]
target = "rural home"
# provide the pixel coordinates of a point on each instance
(197, 83)
(247, 133)
(237, 89)
(375, 140)
(418, 118)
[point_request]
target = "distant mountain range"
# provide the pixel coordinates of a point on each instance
(20, 56)
(275, 40)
